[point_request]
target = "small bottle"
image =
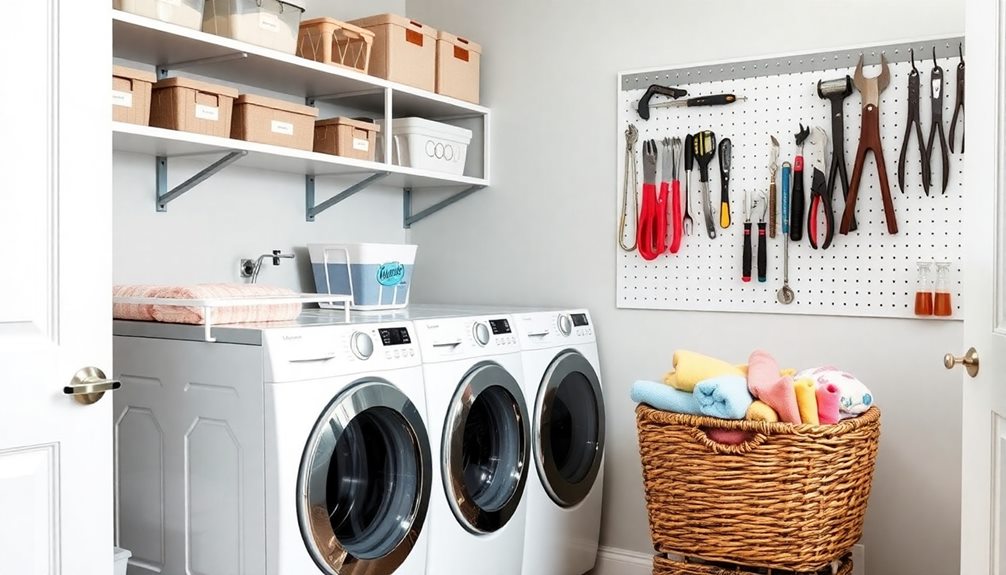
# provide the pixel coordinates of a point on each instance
(943, 304)
(924, 290)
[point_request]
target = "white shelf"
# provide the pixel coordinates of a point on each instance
(174, 144)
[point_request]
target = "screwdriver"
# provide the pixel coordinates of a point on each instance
(716, 100)
(725, 149)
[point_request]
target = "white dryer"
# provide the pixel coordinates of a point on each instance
(286, 450)
(563, 386)
(479, 433)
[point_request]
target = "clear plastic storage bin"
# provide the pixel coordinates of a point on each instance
(270, 23)
(188, 13)
(377, 276)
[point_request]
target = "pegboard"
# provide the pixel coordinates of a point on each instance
(865, 273)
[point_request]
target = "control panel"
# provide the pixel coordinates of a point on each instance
(459, 338)
(321, 351)
(553, 329)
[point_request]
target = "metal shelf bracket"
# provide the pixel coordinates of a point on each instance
(314, 209)
(165, 196)
(409, 218)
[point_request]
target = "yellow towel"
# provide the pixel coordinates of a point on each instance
(806, 400)
(760, 411)
(788, 372)
(691, 368)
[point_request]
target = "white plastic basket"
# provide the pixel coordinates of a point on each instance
(427, 145)
(376, 276)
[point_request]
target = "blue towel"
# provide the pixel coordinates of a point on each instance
(725, 397)
(664, 397)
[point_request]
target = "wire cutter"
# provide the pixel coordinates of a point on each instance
(653, 215)
(820, 193)
(959, 104)
(869, 140)
(914, 96)
(937, 123)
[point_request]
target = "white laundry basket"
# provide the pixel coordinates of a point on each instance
(121, 560)
(377, 276)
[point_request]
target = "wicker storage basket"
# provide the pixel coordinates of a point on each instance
(330, 41)
(791, 497)
(664, 566)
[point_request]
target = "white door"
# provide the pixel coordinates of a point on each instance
(55, 276)
(983, 521)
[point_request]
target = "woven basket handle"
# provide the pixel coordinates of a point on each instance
(702, 438)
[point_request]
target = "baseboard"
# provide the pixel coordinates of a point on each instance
(612, 561)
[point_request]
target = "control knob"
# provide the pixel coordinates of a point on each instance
(565, 325)
(481, 333)
(361, 345)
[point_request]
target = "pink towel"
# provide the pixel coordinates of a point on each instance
(728, 436)
(139, 312)
(236, 314)
(828, 398)
(763, 371)
(781, 397)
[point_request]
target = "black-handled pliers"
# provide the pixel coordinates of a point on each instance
(936, 82)
(959, 105)
(820, 193)
(914, 96)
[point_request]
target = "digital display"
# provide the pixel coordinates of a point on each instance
(499, 326)
(579, 319)
(395, 336)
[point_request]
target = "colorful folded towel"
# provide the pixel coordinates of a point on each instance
(728, 436)
(761, 411)
(133, 311)
(855, 396)
(664, 397)
(806, 399)
(763, 370)
(828, 399)
(726, 397)
(194, 315)
(690, 368)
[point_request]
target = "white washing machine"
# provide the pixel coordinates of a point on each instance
(281, 450)
(563, 387)
(479, 433)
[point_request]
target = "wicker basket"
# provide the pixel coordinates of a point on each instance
(791, 497)
(665, 566)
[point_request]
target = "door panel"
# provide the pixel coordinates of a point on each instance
(29, 523)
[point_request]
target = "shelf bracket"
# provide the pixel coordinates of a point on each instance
(165, 197)
(315, 209)
(164, 69)
(409, 218)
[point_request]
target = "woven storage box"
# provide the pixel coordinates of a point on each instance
(192, 106)
(347, 138)
(131, 91)
(791, 497)
(330, 41)
(405, 51)
(664, 566)
(271, 121)
(458, 67)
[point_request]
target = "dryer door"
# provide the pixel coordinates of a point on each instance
(486, 448)
(364, 484)
(569, 428)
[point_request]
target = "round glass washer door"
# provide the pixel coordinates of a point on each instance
(364, 484)
(486, 449)
(569, 428)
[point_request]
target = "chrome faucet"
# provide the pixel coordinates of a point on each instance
(251, 268)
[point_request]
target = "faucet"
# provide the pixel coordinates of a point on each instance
(251, 268)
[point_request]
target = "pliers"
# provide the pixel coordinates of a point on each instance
(959, 105)
(653, 215)
(820, 193)
(751, 205)
(937, 124)
(914, 96)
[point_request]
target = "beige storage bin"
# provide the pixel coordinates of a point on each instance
(346, 137)
(192, 106)
(458, 67)
(330, 41)
(269, 23)
(404, 51)
(188, 13)
(271, 121)
(131, 95)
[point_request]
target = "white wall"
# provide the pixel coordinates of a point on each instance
(544, 233)
(241, 212)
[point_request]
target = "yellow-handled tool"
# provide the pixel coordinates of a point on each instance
(725, 149)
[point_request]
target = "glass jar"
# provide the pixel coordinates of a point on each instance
(924, 290)
(943, 304)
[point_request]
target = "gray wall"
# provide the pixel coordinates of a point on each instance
(543, 233)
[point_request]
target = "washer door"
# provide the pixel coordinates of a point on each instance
(569, 428)
(364, 484)
(486, 448)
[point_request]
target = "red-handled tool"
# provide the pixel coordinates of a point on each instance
(676, 216)
(653, 215)
(820, 193)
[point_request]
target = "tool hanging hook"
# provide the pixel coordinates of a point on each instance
(934, 56)
(960, 51)
(911, 52)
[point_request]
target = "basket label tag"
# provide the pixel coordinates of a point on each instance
(211, 113)
(361, 145)
(285, 128)
(390, 274)
(124, 99)
(268, 21)
(413, 37)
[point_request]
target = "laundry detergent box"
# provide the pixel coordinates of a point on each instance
(376, 276)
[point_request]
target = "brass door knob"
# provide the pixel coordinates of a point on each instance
(89, 385)
(970, 361)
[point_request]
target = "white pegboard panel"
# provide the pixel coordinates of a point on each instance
(866, 273)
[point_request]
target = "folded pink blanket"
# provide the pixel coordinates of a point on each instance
(220, 315)
(134, 311)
